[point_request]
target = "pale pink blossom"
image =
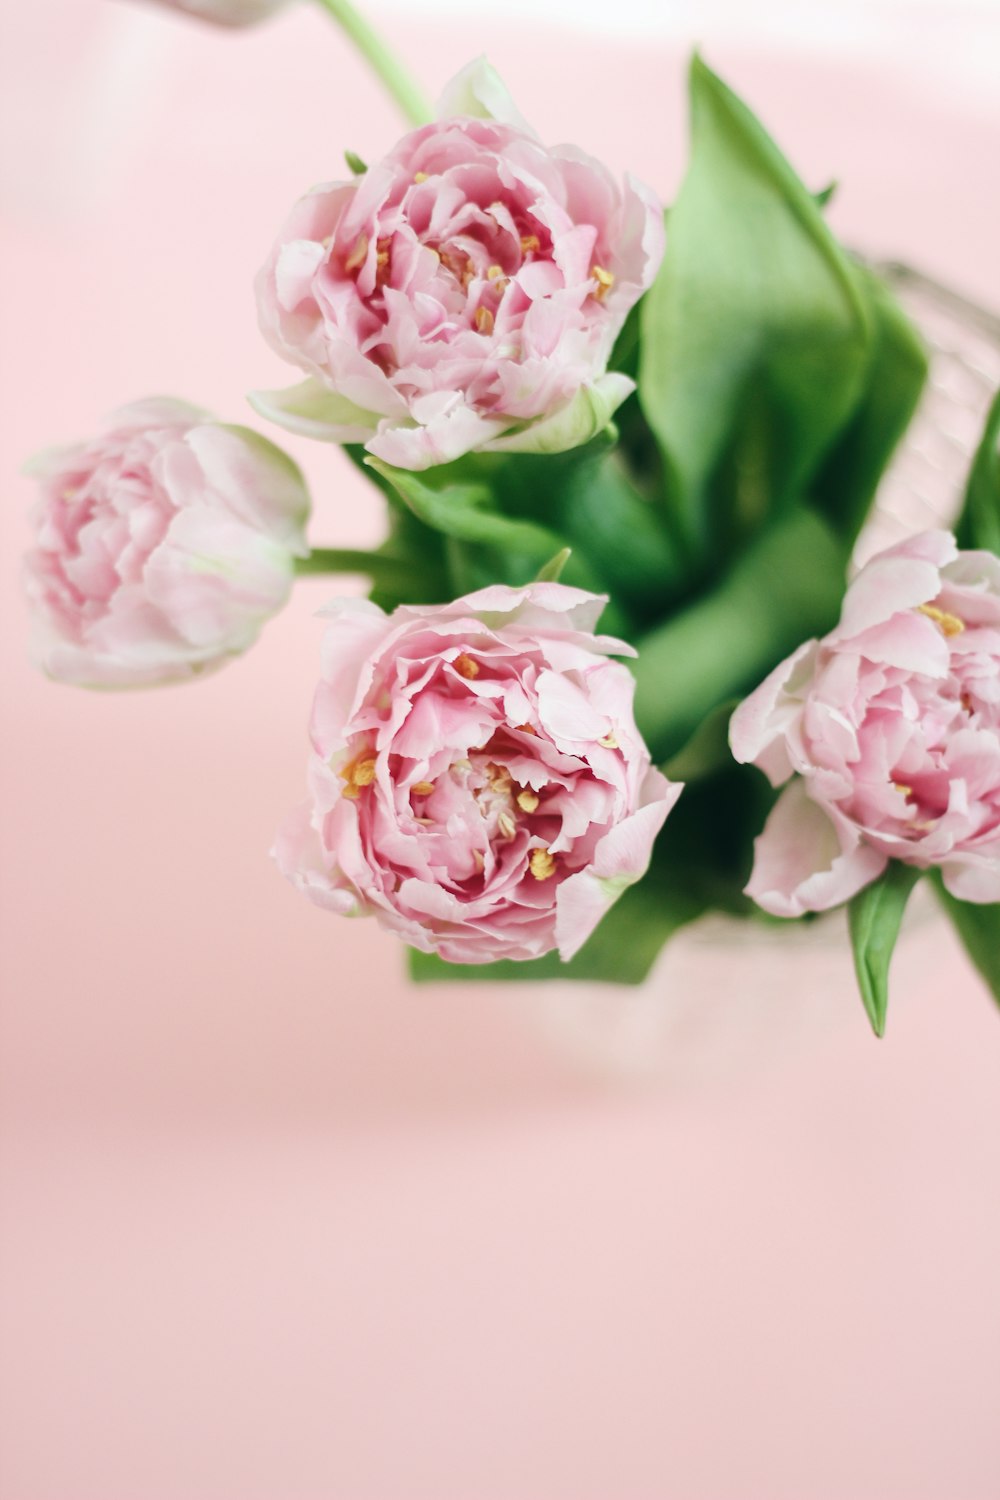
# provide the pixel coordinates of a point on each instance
(161, 546)
(890, 727)
(464, 293)
(478, 783)
(226, 12)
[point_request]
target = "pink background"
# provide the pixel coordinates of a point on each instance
(275, 1226)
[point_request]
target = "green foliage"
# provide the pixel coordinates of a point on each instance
(707, 751)
(756, 335)
(979, 929)
(979, 523)
(786, 587)
(894, 378)
(873, 917)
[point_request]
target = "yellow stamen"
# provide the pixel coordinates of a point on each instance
(420, 176)
(506, 825)
(479, 860)
(541, 863)
(907, 791)
(605, 281)
(363, 771)
(609, 742)
(466, 667)
(946, 623)
(525, 729)
(498, 777)
(483, 320)
(422, 788)
(494, 273)
(527, 800)
(358, 255)
(351, 793)
(529, 243)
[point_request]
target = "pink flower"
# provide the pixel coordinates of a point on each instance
(162, 546)
(226, 12)
(478, 783)
(464, 293)
(892, 724)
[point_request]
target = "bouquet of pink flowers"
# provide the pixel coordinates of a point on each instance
(573, 407)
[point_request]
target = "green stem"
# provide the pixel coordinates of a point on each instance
(386, 572)
(406, 92)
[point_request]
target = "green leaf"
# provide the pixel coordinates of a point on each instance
(482, 545)
(979, 929)
(463, 511)
(894, 379)
(355, 164)
(979, 523)
(785, 588)
(588, 497)
(707, 751)
(873, 918)
(754, 336)
(621, 950)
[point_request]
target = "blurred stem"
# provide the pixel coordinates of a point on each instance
(386, 572)
(382, 60)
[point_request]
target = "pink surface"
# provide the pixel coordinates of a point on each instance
(277, 1227)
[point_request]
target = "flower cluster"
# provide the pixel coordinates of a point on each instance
(890, 729)
(478, 783)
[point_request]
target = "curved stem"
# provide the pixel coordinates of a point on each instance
(404, 89)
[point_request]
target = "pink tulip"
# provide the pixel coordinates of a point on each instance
(890, 727)
(478, 782)
(162, 546)
(464, 293)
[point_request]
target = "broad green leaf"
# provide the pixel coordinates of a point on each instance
(894, 379)
(786, 588)
(979, 929)
(754, 336)
(484, 546)
(463, 511)
(873, 918)
(621, 950)
(588, 497)
(979, 523)
(707, 751)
